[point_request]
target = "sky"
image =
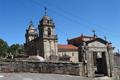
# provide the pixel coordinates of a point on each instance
(71, 18)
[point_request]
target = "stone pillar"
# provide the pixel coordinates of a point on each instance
(81, 69)
(111, 57)
(85, 68)
(90, 64)
(107, 62)
(85, 56)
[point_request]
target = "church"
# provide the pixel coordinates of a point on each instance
(95, 53)
(45, 44)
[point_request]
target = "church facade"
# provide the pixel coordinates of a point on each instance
(43, 44)
(95, 53)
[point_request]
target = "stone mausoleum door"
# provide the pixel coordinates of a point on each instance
(100, 66)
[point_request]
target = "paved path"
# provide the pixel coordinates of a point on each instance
(103, 78)
(38, 76)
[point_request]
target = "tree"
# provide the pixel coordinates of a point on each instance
(3, 48)
(15, 49)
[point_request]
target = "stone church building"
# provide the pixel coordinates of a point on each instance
(95, 53)
(45, 44)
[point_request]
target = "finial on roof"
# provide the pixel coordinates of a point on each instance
(81, 34)
(31, 24)
(94, 33)
(105, 38)
(67, 37)
(45, 11)
(118, 51)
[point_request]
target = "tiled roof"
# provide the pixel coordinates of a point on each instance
(80, 38)
(67, 47)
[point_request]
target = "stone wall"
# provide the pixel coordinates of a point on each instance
(117, 67)
(42, 67)
(116, 74)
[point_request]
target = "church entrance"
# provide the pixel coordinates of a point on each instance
(100, 66)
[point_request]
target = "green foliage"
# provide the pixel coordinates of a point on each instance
(16, 49)
(3, 48)
(12, 50)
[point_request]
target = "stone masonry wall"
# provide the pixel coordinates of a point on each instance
(116, 67)
(42, 67)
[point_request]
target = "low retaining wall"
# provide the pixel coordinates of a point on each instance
(116, 73)
(42, 67)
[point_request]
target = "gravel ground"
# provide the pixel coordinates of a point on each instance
(39, 76)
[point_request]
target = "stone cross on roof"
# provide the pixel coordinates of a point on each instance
(94, 33)
(45, 11)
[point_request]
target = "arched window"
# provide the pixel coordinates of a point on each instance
(48, 21)
(49, 31)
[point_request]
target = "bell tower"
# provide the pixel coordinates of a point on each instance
(47, 33)
(31, 33)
